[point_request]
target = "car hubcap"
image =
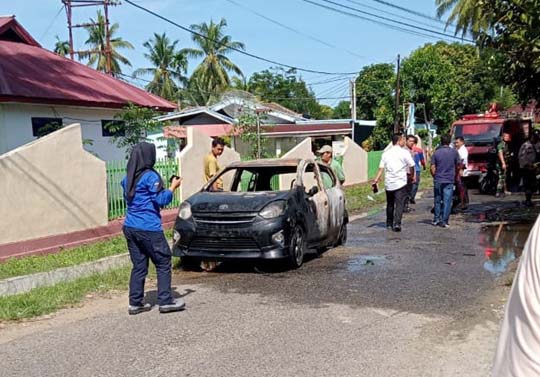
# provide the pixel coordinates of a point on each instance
(298, 247)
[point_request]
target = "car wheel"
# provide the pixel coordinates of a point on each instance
(297, 249)
(342, 239)
(190, 264)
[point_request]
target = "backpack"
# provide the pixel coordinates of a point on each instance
(527, 156)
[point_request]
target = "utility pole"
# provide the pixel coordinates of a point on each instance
(70, 5)
(353, 98)
(396, 112)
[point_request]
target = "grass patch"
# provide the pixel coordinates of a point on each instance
(69, 257)
(45, 300)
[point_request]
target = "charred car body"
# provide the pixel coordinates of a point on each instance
(268, 210)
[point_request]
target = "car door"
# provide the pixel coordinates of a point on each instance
(317, 211)
(336, 200)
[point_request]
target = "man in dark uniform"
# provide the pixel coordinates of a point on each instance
(528, 158)
(504, 154)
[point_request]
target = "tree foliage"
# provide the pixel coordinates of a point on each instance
(286, 88)
(516, 35)
(134, 124)
(465, 15)
(342, 110)
(168, 67)
(97, 43)
(61, 47)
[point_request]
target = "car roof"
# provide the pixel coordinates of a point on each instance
(274, 162)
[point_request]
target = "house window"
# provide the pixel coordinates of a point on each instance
(44, 126)
(111, 128)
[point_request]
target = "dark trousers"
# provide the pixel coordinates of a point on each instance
(395, 201)
(529, 182)
(463, 191)
(144, 246)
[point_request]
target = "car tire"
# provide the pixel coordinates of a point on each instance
(190, 264)
(297, 248)
(342, 238)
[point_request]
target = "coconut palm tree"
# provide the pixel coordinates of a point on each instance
(466, 15)
(169, 67)
(213, 46)
(61, 47)
(97, 44)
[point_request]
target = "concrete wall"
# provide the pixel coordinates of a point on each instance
(355, 163)
(51, 186)
(303, 151)
(192, 161)
(16, 126)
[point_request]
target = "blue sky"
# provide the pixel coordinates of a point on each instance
(357, 42)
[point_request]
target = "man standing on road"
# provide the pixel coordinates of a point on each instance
(444, 167)
(211, 165)
(504, 160)
(327, 157)
(396, 162)
(464, 160)
(419, 163)
(527, 163)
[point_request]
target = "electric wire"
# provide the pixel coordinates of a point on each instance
(316, 39)
(390, 26)
(397, 21)
(410, 11)
(230, 47)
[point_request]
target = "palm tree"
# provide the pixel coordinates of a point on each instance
(61, 47)
(465, 14)
(213, 45)
(97, 43)
(168, 65)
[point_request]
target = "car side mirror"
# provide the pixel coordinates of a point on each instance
(313, 191)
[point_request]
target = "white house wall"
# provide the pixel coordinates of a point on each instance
(16, 126)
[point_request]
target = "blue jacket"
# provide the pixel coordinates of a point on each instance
(143, 211)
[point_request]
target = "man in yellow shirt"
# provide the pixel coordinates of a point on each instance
(211, 165)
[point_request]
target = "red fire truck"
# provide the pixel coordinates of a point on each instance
(482, 132)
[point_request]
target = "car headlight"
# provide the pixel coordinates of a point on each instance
(273, 210)
(185, 211)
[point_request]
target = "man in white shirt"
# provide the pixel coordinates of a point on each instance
(396, 163)
(464, 160)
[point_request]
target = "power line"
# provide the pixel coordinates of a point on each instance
(316, 39)
(231, 47)
(394, 27)
(52, 22)
(407, 10)
(397, 21)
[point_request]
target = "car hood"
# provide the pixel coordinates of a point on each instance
(233, 201)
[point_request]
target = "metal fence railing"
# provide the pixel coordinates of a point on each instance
(116, 170)
(374, 158)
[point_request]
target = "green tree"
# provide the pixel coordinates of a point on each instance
(515, 35)
(342, 110)
(467, 16)
(287, 89)
(169, 67)
(212, 74)
(375, 100)
(450, 79)
(132, 126)
(97, 44)
(61, 47)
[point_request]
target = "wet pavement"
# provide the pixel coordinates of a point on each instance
(423, 302)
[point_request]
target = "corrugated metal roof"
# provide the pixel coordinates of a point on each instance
(31, 74)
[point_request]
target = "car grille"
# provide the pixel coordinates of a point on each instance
(223, 220)
(223, 244)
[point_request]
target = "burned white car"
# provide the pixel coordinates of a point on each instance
(268, 210)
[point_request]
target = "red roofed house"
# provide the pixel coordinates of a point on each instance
(39, 88)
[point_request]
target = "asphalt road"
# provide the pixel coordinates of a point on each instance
(416, 303)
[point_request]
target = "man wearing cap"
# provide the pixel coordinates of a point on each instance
(326, 157)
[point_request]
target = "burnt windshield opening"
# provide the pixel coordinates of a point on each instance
(258, 179)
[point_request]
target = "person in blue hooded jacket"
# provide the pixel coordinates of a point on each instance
(145, 196)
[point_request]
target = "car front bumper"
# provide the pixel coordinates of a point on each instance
(256, 240)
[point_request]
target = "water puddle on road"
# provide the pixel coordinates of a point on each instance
(503, 236)
(361, 262)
